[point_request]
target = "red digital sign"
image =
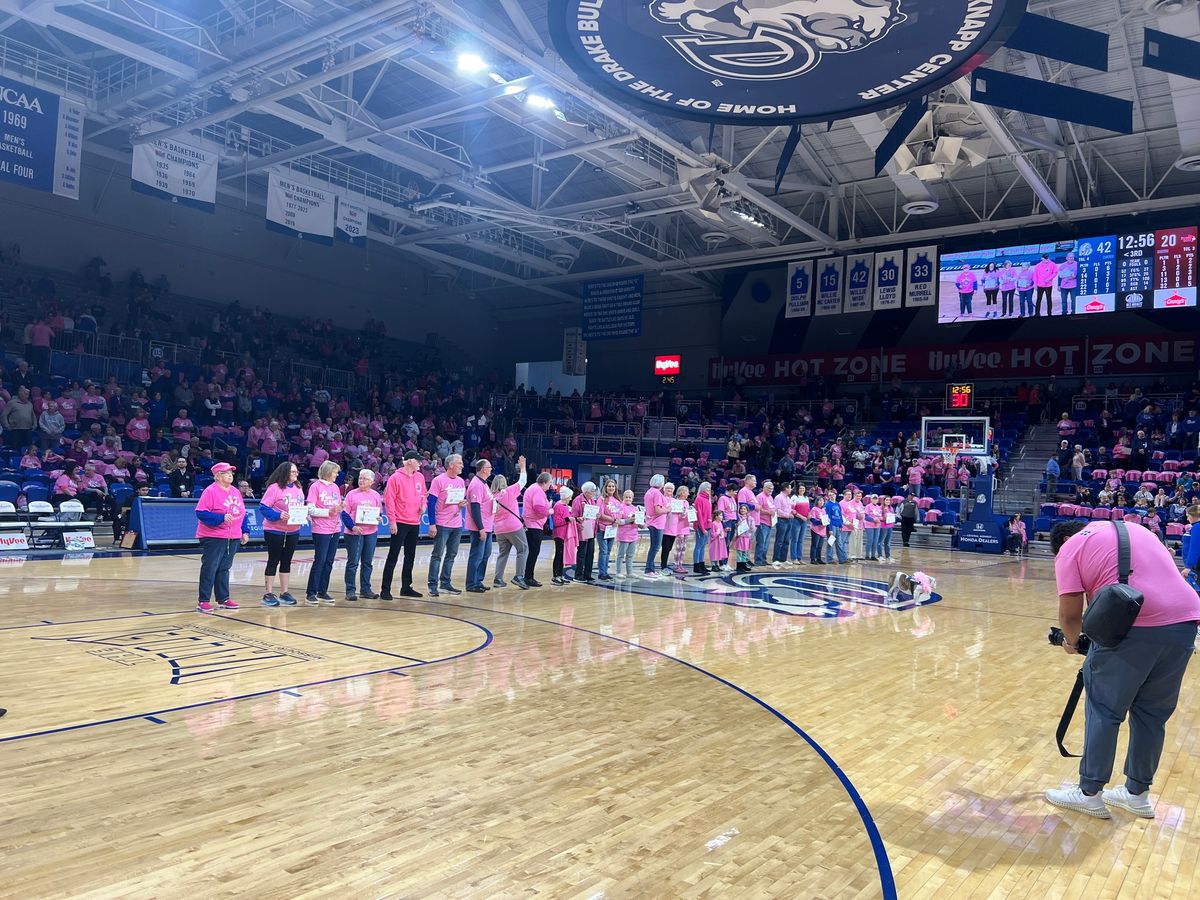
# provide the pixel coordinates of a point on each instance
(667, 365)
(960, 397)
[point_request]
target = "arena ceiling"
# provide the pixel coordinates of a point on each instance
(484, 156)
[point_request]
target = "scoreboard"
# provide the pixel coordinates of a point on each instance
(960, 397)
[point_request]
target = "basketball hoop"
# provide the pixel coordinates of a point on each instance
(950, 454)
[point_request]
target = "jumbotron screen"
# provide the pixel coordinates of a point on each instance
(1082, 276)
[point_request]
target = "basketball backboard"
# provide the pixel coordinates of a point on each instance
(968, 435)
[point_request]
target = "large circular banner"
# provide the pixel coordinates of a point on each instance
(769, 61)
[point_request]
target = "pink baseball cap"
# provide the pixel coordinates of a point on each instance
(223, 467)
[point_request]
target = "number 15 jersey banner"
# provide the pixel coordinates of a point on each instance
(42, 139)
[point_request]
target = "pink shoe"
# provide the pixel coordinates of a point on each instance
(227, 604)
(204, 606)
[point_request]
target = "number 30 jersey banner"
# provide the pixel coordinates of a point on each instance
(177, 172)
(301, 209)
(41, 139)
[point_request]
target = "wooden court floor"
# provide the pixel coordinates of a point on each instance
(785, 735)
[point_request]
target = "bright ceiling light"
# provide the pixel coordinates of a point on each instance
(471, 63)
(540, 101)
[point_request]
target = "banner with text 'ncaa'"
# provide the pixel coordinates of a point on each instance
(42, 139)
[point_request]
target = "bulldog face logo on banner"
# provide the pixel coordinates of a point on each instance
(768, 39)
(760, 61)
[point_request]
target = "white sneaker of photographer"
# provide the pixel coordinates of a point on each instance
(1138, 804)
(1074, 798)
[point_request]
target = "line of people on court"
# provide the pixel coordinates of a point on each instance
(731, 531)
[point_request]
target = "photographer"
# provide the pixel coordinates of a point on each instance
(1139, 676)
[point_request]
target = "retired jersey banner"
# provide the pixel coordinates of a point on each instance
(299, 208)
(860, 278)
(922, 272)
(799, 296)
(887, 279)
(351, 222)
(42, 139)
(175, 171)
(829, 286)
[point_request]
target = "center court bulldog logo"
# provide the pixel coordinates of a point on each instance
(772, 39)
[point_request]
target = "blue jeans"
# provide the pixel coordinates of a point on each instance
(625, 558)
(655, 547)
(324, 550)
(481, 549)
(216, 557)
(762, 543)
(701, 547)
(817, 548)
(1026, 298)
(360, 548)
(799, 533)
(1067, 296)
(843, 546)
(873, 543)
(885, 542)
(783, 539)
(441, 559)
(604, 550)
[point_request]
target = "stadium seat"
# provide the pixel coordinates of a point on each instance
(9, 491)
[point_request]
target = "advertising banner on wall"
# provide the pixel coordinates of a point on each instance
(176, 171)
(298, 208)
(42, 139)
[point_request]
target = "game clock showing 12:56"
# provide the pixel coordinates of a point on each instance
(960, 397)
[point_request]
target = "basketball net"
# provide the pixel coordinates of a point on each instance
(950, 455)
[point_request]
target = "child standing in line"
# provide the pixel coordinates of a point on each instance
(683, 528)
(726, 517)
(627, 535)
(743, 540)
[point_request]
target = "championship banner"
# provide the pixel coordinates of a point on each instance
(300, 209)
(859, 282)
(1028, 360)
(799, 297)
(922, 271)
(829, 286)
(175, 171)
(351, 222)
(42, 139)
(887, 279)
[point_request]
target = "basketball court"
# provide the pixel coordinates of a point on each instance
(782, 733)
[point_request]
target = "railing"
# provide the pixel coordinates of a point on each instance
(1082, 403)
(82, 366)
(333, 380)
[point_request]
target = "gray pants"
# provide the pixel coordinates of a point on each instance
(506, 542)
(1141, 676)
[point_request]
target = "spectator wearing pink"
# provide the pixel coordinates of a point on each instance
(279, 531)
(670, 525)
(872, 523)
(702, 526)
(68, 408)
(138, 430)
(325, 507)
(66, 485)
(405, 497)
(182, 427)
(656, 507)
(30, 460)
(361, 515)
(93, 490)
(40, 336)
(221, 526)
(446, 524)
(746, 496)
(566, 535)
(627, 535)
(508, 527)
(537, 512)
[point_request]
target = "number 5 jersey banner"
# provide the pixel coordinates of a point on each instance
(42, 138)
(922, 271)
(177, 172)
(799, 295)
(829, 286)
(299, 208)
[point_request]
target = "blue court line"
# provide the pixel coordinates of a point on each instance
(141, 615)
(155, 719)
(487, 641)
(291, 693)
(886, 877)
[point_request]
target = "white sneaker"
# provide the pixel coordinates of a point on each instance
(1076, 799)
(776, 565)
(1138, 804)
(650, 576)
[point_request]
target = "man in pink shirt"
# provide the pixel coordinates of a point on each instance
(1140, 676)
(536, 508)
(447, 498)
(404, 498)
(1044, 274)
(480, 520)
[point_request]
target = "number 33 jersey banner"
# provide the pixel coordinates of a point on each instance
(42, 138)
(922, 276)
(178, 172)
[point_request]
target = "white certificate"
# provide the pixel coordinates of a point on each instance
(318, 512)
(366, 515)
(639, 516)
(297, 514)
(889, 519)
(590, 512)
(743, 526)
(610, 532)
(691, 514)
(824, 518)
(857, 524)
(455, 495)
(677, 506)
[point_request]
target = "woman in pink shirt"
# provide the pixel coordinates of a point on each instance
(656, 507)
(669, 524)
(508, 527)
(872, 523)
(279, 531)
(182, 427)
(566, 536)
(361, 513)
(627, 535)
(325, 506)
(537, 512)
(586, 508)
(683, 528)
(702, 526)
(606, 525)
(221, 526)
(66, 486)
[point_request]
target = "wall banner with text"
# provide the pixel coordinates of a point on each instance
(42, 139)
(888, 282)
(829, 286)
(299, 208)
(799, 296)
(922, 272)
(351, 221)
(860, 279)
(175, 171)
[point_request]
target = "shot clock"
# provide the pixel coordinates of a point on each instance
(960, 397)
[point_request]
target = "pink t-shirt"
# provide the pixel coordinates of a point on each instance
(324, 495)
(654, 501)
(478, 492)
(1088, 562)
(783, 506)
(626, 532)
(447, 516)
(359, 497)
(138, 429)
(562, 520)
(405, 497)
(847, 514)
(225, 501)
(766, 508)
(800, 507)
(537, 507)
(587, 527)
(280, 498)
(506, 521)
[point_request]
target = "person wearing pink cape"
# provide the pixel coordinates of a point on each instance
(724, 519)
(566, 536)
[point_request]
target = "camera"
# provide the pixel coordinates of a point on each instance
(1057, 638)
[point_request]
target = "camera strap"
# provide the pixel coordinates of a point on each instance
(1068, 713)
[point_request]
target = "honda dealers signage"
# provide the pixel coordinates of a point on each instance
(1128, 355)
